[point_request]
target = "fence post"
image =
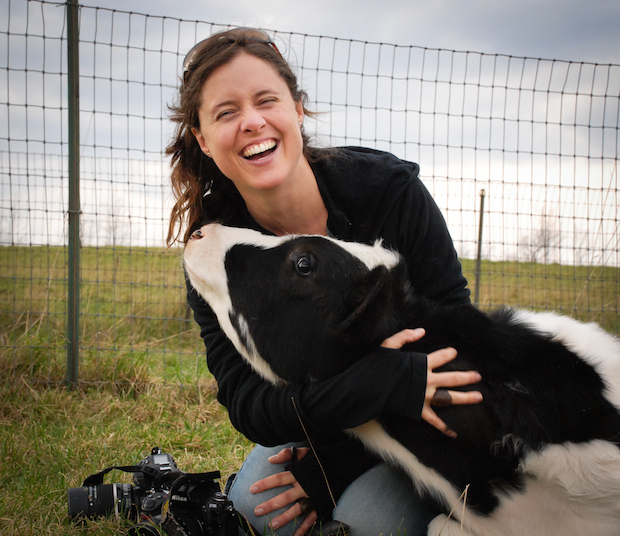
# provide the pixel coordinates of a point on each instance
(479, 255)
(73, 275)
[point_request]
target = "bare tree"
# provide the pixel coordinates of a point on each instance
(543, 240)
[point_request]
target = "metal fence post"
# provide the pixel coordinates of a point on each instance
(73, 275)
(479, 255)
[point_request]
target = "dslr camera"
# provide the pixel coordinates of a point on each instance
(162, 501)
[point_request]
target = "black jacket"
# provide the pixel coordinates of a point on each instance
(368, 195)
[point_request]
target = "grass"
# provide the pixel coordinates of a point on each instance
(133, 314)
(590, 294)
(143, 378)
(143, 382)
(52, 438)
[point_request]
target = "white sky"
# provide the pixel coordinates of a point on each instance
(570, 30)
(577, 30)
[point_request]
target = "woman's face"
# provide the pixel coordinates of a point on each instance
(250, 125)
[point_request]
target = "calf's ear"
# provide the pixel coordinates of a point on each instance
(369, 303)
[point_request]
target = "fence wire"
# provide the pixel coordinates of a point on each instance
(540, 137)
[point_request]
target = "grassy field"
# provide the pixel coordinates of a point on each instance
(143, 376)
(133, 314)
(590, 294)
(143, 382)
(51, 439)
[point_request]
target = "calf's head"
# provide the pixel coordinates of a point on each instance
(297, 308)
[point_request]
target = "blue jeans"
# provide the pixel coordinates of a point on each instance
(382, 501)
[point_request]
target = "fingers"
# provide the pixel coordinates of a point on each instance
(438, 395)
(452, 379)
(293, 498)
(442, 398)
(437, 383)
(301, 507)
(440, 357)
(306, 524)
(431, 417)
(398, 340)
(288, 454)
(282, 500)
(448, 379)
(284, 478)
(463, 398)
(287, 516)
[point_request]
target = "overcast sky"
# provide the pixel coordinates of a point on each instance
(569, 30)
(576, 30)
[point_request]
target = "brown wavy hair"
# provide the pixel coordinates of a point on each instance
(202, 193)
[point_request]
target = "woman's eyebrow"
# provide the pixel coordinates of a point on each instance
(224, 103)
(233, 101)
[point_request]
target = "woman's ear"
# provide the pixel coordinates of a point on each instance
(299, 108)
(201, 141)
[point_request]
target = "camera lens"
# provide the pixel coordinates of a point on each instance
(101, 500)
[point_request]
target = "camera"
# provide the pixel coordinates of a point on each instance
(163, 500)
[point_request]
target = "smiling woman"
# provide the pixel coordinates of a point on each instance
(241, 157)
(250, 127)
(218, 97)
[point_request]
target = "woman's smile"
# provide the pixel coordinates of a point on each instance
(259, 151)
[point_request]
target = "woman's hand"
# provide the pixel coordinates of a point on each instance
(296, 497)
(436, 382)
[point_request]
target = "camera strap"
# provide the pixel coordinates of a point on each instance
(97, 478)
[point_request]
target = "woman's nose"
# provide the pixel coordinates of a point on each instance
(252, 121)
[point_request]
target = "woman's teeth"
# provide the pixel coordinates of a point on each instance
(258, 149)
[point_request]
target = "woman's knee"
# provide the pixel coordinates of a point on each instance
(254, 468)
(383, 501)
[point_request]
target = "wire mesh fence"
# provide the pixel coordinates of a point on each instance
(540, 137)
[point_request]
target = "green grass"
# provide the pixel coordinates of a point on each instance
(143, 378)
(143, 382)
(51, 439)
(133, 314)
(590, 294)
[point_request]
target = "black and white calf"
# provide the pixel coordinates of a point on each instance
(541, 454)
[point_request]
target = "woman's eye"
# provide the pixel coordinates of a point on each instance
(304, 265)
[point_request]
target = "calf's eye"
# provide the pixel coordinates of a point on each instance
(304, 265)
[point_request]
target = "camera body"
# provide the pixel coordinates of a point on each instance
(162, 498)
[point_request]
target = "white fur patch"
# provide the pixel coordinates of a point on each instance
(589, 341)
(585, 474)
(204, 262)
(373, 435)
(249, 351)
(371, 256)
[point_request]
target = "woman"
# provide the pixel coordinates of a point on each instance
(240, 156)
